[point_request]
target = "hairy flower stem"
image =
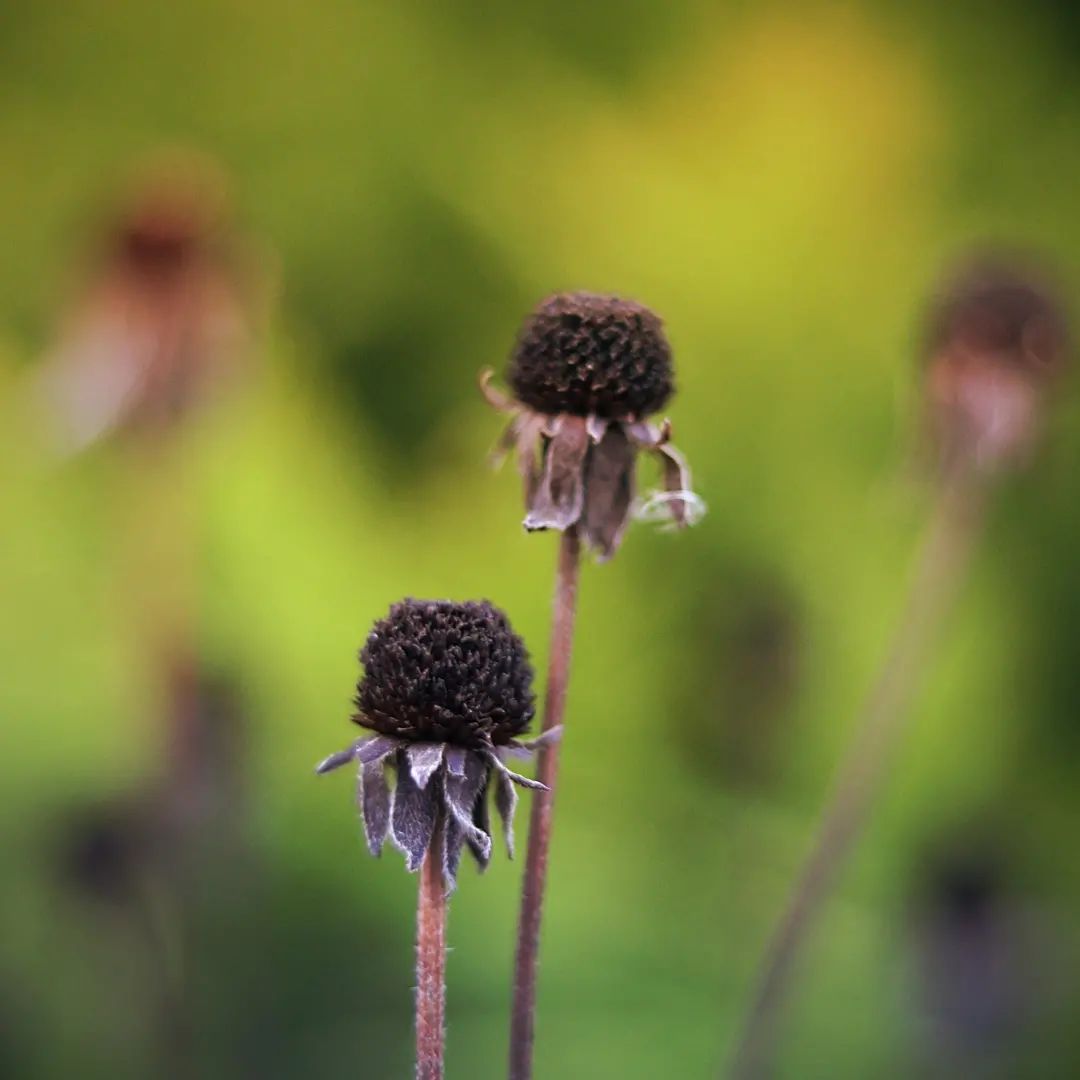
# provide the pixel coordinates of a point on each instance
(523, 1016)
(431, 961)
(945, 552)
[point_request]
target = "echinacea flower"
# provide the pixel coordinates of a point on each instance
(996, 340)
(586, 374)
(447, 690)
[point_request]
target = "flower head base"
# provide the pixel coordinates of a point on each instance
(586, 373)
(996, 340)
(447, 687)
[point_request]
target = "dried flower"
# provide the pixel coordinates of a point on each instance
(586, 373)
(996, 340)
(165, 316)
(447, 689)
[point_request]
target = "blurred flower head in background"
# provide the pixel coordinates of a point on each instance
(997, 340)
(164, 316)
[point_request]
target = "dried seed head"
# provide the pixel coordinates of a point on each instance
(998, 310)
(437, 671)
(996, 338)
(584, 354)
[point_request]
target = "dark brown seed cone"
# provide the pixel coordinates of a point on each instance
(584, 354)
(437, 671)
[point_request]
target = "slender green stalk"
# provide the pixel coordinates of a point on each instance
(523, 1015)
(946, 549)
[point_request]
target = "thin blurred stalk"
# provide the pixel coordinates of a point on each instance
(523, 1014)
(431, 961)
(946, 549)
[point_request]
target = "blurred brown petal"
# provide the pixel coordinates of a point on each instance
(609, 491)
(676, 479)
(559, 497)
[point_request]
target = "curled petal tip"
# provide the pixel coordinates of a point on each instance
(674, 509)
(494, 397)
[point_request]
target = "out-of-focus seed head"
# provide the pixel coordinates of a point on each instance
(584, 354)
(995, 339)
(996, 308)
(438, 671)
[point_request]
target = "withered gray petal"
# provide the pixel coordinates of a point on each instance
(479, 840)
(524, 781)
(527, 747)
(424, 759)
(336, 760)
(376, 749)
(455, 760)
(375, 804)
(609, 491)
(505, 802)
(462, 794)
(415, 813)
(453, 842)
(559, 497)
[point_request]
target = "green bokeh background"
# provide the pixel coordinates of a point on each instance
(783, 182)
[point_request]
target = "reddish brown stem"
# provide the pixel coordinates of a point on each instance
(523, 1015)
(944, 555)
(431, 962)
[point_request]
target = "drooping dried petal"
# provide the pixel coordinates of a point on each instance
(560, 495)
(456, 757)
(505, 803)
(424, 759)
(676, 480)
(337, 759)
(453, 842)
(526, 748)
(462, 793)
(517, 778)
(609, 491)
(676, 473)
(375, 804)
(376, 749)
(479, 840)
(596, 426)
(416, 811)
(530, 430)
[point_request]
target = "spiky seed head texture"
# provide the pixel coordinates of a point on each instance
(439, 671)
(585, 354)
